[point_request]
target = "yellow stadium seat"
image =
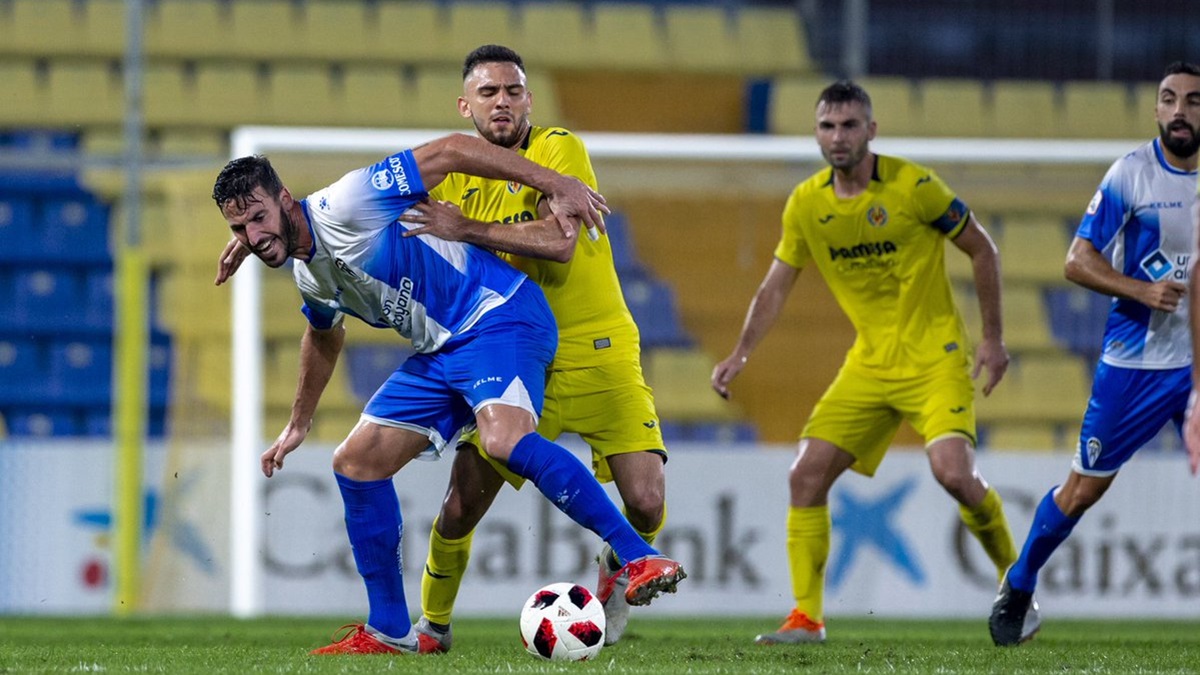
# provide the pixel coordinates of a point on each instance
(627, 37)
(435, 98)
(895, 106)
(473, 24)
(188, 30)
(954, 108)
(679, 378)
(1026, 322)
(230, 94)
(25, 94)
(700, 38)
(83, 93)
(413, 32)
(1033, 248)
(302, 94)
(771, 40)
(793, 104)
(104, 28)
(546, 108)
(168, 99)
(337, 31)
(553, 35)
(375, 96)
(1145, 105)
(193, 143)
(1024, 109)
(1096, 110)
(43, 28)
(264, 29)
(958, 264)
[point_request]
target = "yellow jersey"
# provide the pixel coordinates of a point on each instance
(594, 324)
(882, 254)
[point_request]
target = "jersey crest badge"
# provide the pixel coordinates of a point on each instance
(514, 187)
(1094, 205)
(877, 216)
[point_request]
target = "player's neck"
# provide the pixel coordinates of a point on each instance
(855, 180)
(1182, 163)
(304, 240)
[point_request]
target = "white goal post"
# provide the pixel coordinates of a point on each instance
(248, 440)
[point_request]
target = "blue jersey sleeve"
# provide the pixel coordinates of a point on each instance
(373, 197)
(1106, 213)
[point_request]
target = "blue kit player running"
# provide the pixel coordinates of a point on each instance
(1134, 243)
(484, 338)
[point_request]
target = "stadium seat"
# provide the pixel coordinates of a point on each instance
(771, 41)
(191, 143)
(103, 29)
(625, 257)
(42, 423)
(97, 421)
(566, 22)
(1098, 110)
(17, 227)
(1044, 388)
(74, 228)
(679, 378)
(700, 38)
(423, 28)
(1023, 436)
(895, 105)
(1024, 109)
(954, 107)
(45, 299)
(302, 95)
(1033, 248)
(1077, 319)
(168, 96)
(25, 93)
(369, 365)
(626, 36)
(793, 100)
(98, 314)
(83, 93)
(336, 30)
(264, 29)
(436, 93)
(1145, 105)
(958, 265)
(23, 363)
(81, 371)
(375, 96)
(42, 28)
(472, 24)
(229, 94)
(1026, 323)
(188, 30)
(652, 304)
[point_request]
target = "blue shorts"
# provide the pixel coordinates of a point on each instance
(1127, 409)
(501, 359)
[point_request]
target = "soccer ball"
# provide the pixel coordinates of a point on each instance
(563, 622)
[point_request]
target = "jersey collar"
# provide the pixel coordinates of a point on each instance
(874, 173)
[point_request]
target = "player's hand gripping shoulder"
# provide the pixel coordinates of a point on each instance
(443, 220)
(991, 355)
(231, 259)
(289, 439)
(572, 201)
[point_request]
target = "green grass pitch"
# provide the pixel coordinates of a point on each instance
(653, 645)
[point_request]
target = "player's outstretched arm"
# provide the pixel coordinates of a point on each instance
(764, 310)
(319, 350)
(543, 238)
(570, 199)
(991, 355)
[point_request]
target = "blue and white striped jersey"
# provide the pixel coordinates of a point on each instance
(424, 288)
(1141, 219)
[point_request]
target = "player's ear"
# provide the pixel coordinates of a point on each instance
(872, 129)
(285, 198)
(464, 109)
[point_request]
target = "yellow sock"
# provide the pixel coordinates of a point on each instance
(808, 531)
(987, 522)
(444, 570)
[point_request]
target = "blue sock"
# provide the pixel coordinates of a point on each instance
(566, 482)
(374, 525)
(1050, 528)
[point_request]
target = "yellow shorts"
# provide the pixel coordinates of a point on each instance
(609, 406)
(860, 413)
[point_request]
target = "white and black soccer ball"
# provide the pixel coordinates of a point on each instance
(563, 622)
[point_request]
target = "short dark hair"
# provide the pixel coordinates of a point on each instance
(845, 91)
(1182, 67)
(491, 54)
(242, 176)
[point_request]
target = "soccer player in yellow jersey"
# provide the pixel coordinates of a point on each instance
(595, 387)
(874, 226)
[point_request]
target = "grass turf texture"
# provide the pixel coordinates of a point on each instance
(654, 645)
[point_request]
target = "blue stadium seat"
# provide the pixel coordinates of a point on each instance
(709, 432)
(74, 228)
(42, 422)
(97, 421)
(23, 368)
(624, 252)
(369, 365)
(159, 365)
(16, 227)
(81, 371)
(99, 307)
(44, 298)
(652, 304)
(1077, 318)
